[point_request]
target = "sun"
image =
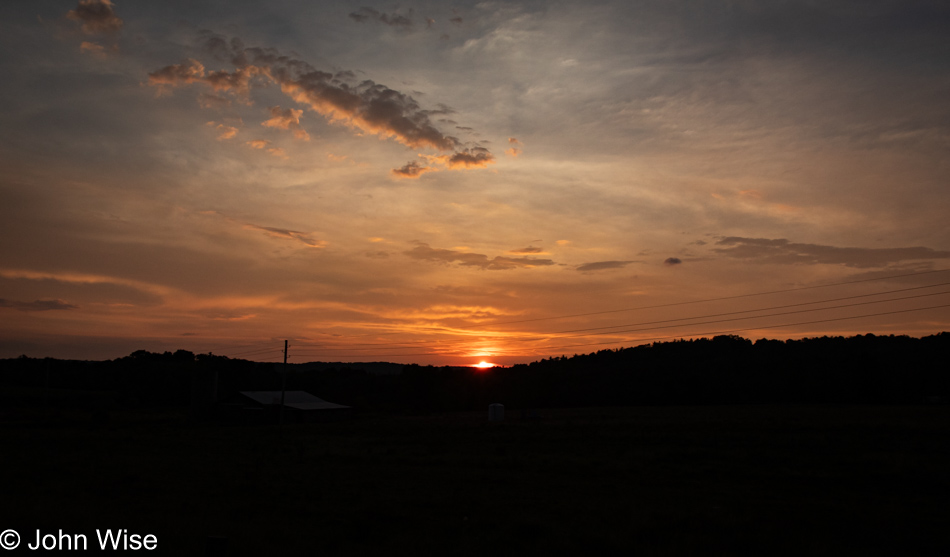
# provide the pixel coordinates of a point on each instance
(483, 365)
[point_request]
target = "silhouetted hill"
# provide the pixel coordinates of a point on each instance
(865, 369)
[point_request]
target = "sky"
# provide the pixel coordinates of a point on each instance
(454, 182)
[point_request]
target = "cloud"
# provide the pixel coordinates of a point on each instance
(192, 71)
(96, 49)
(37, 305)
(412, 169)
(394, 20)
(474, 157)
(96, 16)
(671, 261)
(209, 100)
(602, 265)
(287, 119)
(529, 249)
(515, 148)
(783, 252)
(366, 106)
(263, 144)
(286, 234)
(224, 131)
(423, 252)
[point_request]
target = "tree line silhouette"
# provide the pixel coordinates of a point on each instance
(727, 369)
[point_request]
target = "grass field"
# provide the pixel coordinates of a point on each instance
(739, 480)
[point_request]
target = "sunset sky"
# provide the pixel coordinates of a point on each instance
(452, 182)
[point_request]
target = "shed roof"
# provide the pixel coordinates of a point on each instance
(300, 400)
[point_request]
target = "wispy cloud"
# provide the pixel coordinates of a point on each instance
(224, 131)
(287, 234)
(369, 14)
(781, 251)
(602, 265)
(529, 249)
(671, 261)
(467, 259)
(263, 144)
(287, 119)
(515, 148)
(37, 305)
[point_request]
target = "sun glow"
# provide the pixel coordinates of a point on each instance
(483, 365)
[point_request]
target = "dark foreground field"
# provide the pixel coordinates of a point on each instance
(741, 480)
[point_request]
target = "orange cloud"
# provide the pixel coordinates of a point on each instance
(225, 132)
(287, 119)
(258, 143)
(515, 149)
(475, 157)
(191, 71)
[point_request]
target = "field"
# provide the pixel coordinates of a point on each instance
(737, 480)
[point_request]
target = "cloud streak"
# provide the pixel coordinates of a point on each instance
(287, 234)
(37, 305)
(366, 107)
(783, 252)
(424, 252)
(602, 265)
(393, 20)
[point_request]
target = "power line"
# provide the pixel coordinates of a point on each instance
(715, 299)
(440, 347)
(754, 316)
(601, 331)
(757, 327)
(602, 343)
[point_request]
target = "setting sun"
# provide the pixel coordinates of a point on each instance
(483, 365)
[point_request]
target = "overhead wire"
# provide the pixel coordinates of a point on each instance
(719, 299)
(319, 349)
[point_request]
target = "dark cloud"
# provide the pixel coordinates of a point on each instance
(411, 169)
(367, 106)
(670, 261)
(475, 157)
(37, 305)
(96, 16)
(529, 249)
(456, 20)
(781, 251)
(284, 233)
(394, 20)
(466, 259)
(603, 265)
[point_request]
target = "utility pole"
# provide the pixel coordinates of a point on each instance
(283, 387)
